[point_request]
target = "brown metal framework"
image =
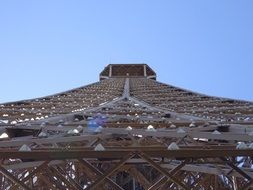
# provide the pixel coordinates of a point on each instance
(127, 132)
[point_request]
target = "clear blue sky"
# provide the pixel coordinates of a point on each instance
(49, 46)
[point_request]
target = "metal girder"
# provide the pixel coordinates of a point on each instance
(57, 154)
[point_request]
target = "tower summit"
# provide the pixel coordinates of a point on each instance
(127, 131)
(127, 70)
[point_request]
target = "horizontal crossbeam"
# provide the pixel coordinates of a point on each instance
(57, 154)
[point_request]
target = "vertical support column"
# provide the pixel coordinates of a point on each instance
(126, 92)
(145, 70)
(110, 71)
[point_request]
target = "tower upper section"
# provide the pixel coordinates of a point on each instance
(127, 70)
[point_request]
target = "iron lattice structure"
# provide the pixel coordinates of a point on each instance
(127, 131)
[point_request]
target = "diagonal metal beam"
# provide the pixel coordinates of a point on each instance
(98, 172)
(199, 182)
(228, 162)
(139, 177)
(159, 183)
(164, 179)
(46, 182)
(162, 170)
(52, 181)
(31, 174)
(247, 186)
(13, 178)
(110, 172)
(63, 179)
(175, 170)
(72, 181)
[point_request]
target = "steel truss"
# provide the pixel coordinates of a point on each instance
(127, 133)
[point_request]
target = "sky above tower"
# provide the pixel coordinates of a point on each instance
(52, 46)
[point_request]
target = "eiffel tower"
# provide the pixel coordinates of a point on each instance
(127, 131)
